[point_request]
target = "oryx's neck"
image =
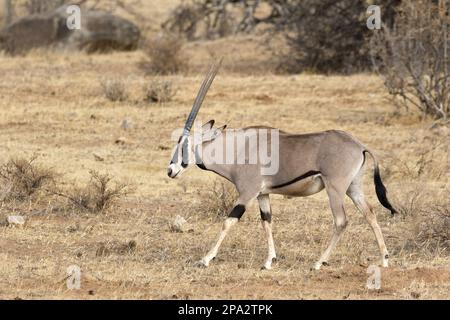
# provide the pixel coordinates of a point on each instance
(222, 170)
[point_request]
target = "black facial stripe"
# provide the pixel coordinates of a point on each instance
(185, 154)
(175, 157)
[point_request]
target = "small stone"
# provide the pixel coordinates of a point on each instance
(126, 124)
(16, 220)
(121, 141)
(98, 157)
(415, 295)
(178, 225)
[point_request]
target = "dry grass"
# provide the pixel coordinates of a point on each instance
(114, 90)
(217, 200)
(164, 55)
(159, 91)
(130, 252)
(434, 230)
(22, 178)
(98, 195)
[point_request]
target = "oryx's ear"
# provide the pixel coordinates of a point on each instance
(213, 134)
(207, 126)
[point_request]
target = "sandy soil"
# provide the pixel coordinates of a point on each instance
(52, 106)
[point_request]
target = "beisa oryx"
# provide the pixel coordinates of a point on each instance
(306, 164)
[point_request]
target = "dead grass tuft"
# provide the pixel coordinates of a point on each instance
(164, 55)
(98, 195)
(218, 200)
(22, 178)
(115, 247)
(159, 91)
(114, 90)
(433, 230)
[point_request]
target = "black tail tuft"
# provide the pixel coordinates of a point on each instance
(381, 191)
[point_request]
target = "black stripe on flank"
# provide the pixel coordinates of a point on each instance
(303, 176)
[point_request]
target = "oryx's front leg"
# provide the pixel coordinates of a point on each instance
(228, 223)
(266, 221)
(231, 220)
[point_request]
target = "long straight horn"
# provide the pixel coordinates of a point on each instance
(201, 96)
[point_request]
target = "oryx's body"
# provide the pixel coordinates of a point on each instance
(308, 163)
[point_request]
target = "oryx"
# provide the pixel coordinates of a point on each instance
(308, 163)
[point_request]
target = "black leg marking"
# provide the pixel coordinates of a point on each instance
(237, 211)
(266, 216)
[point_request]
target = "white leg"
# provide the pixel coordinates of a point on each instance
(266, 217)
(271, 247)
(228, 223)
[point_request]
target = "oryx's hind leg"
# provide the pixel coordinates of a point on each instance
(355, 192)
(266, 221)
(336, 198)
(233, 217)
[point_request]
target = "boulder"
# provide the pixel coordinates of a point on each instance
(100, 31)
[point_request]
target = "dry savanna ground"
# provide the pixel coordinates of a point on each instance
(52, 106)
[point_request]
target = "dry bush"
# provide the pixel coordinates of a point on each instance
(98, 195)
(413, 57)
(321, 35)
(206, 19)
(164, 55)
(159, 91)
(328, 35)
(218, 200)
(428, 230)
(412, 203)
(22, 178)
(114, 90)
(433, 233)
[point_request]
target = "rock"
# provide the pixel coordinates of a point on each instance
(121, 141)
(126, 124)
(178, 225)
(15, 220)
(98, 157)
(100, 31)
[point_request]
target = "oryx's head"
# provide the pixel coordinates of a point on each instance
(184, 153)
